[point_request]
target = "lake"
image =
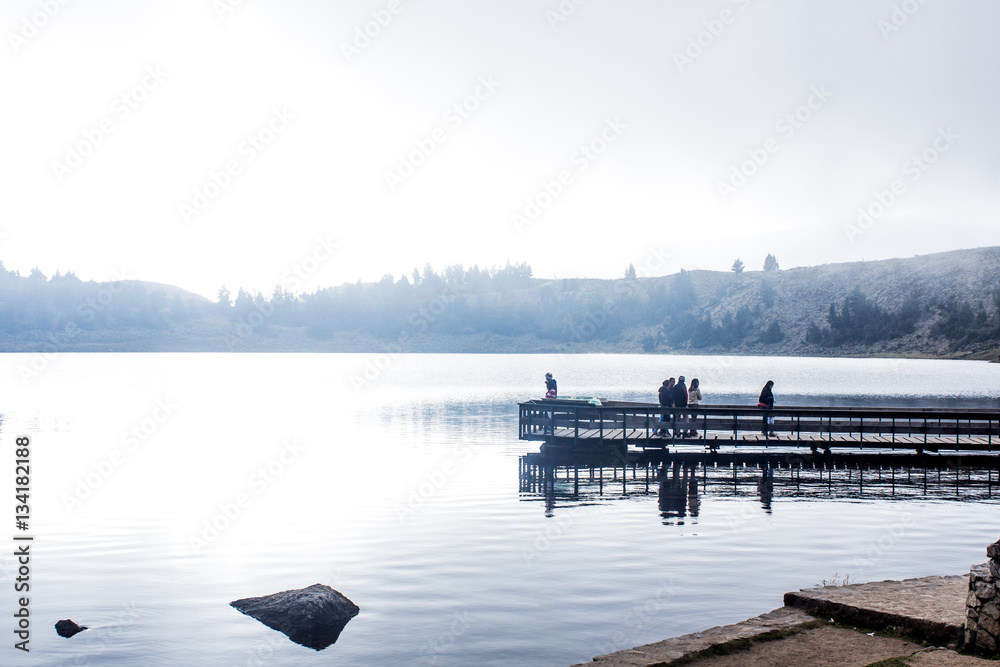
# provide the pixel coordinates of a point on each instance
(165, 486)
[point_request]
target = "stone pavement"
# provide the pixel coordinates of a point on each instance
(931, 608)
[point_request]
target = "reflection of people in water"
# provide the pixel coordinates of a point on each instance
(765, 487)
(694, 502)
(678, 494)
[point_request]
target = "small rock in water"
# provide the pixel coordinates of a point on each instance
(67, 628)
(313, 616)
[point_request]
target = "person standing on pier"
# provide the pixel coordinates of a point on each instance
(665, 402)
(680, 395)
(694, 397)
(766, 403)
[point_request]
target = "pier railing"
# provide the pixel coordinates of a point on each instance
(647, 425)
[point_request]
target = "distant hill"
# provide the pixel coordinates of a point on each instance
(939, 305)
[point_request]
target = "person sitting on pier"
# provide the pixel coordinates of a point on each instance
(550, 392)
(550, 386)
(766, 403)
(694, 397)
(680, 396)
(666, 401)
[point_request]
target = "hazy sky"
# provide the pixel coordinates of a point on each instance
(307, 143)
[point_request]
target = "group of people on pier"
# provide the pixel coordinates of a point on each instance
(676, 394)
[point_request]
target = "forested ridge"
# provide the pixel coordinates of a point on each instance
(945, 304)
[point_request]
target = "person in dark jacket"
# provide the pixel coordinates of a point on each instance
(680, 396)
(666, 401)
(766, 403)
(550, 386)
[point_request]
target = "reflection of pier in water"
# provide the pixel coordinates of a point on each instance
(681, 479)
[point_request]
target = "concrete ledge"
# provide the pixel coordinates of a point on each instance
(685, 647)
(931, 608)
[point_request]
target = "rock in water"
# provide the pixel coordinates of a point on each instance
(67, 628)
(313, 616)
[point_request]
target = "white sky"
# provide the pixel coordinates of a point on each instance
(653, 193)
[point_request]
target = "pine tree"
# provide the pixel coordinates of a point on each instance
(773, 333)
(223, 300)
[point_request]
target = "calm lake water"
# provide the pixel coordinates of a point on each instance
(395, 481)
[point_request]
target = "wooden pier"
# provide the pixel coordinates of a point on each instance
(617, 428)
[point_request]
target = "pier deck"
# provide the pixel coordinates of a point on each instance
(618, 426)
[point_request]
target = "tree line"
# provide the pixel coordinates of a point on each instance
(36, 305)
(657, 314)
